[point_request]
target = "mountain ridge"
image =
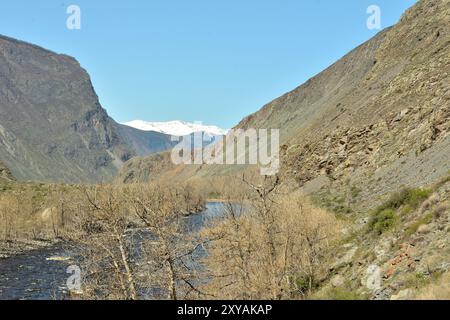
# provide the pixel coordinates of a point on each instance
(175, 127)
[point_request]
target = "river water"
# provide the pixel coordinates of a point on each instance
(41, 274)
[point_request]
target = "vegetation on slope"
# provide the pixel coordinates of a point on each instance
(403, 244)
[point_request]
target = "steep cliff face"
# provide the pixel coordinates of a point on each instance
(52, 126)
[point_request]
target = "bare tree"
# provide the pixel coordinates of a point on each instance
(172, 248)
(134, 242)
(99, 228)
(268, 244)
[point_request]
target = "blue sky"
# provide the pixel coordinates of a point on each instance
(198, 60)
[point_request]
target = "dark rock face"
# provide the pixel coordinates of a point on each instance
(5, 174)
(52, 126)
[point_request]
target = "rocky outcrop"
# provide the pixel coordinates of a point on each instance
(5, 174)
(397, 264)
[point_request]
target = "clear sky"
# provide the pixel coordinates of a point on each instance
(214, 61)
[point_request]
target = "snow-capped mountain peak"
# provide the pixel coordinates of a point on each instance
(176, 128)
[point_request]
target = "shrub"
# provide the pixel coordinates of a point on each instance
(426, 219)
(406, 210)
(406, 197)
(418, 196)
(416, 280)
(214, 195)
(303, 286)
(355, 191)
(396, 200)
(429, 203)
(439, 210)
(381, 221)
(443, 181)
(331, 202)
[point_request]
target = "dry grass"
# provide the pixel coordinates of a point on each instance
(439, 290)
(269, 245)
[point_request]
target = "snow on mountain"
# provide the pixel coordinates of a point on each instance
(176, 128)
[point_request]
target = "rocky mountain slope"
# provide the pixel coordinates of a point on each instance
(392, 128)
(401, 252)
(374, 121)
(52, 126)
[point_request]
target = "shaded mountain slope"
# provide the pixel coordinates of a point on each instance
(52, 126)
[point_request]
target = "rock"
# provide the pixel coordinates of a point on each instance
(423, 229)
(401, 115)
(373, 278)
(383, 247)
(382, 294)
(337, 281)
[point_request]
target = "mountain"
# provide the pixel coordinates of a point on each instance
(52, 126)
(176, 128)
(379, 118)
(376, 120)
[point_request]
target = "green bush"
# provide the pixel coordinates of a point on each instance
(302, 284)
(406, 210)
(332, 202)
(418, 196)
(382, 221)
(418, 280)
(214, 195)
(410, 197)
(384, 217)
(396, 200)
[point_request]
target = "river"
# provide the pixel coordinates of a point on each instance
(41, 274)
